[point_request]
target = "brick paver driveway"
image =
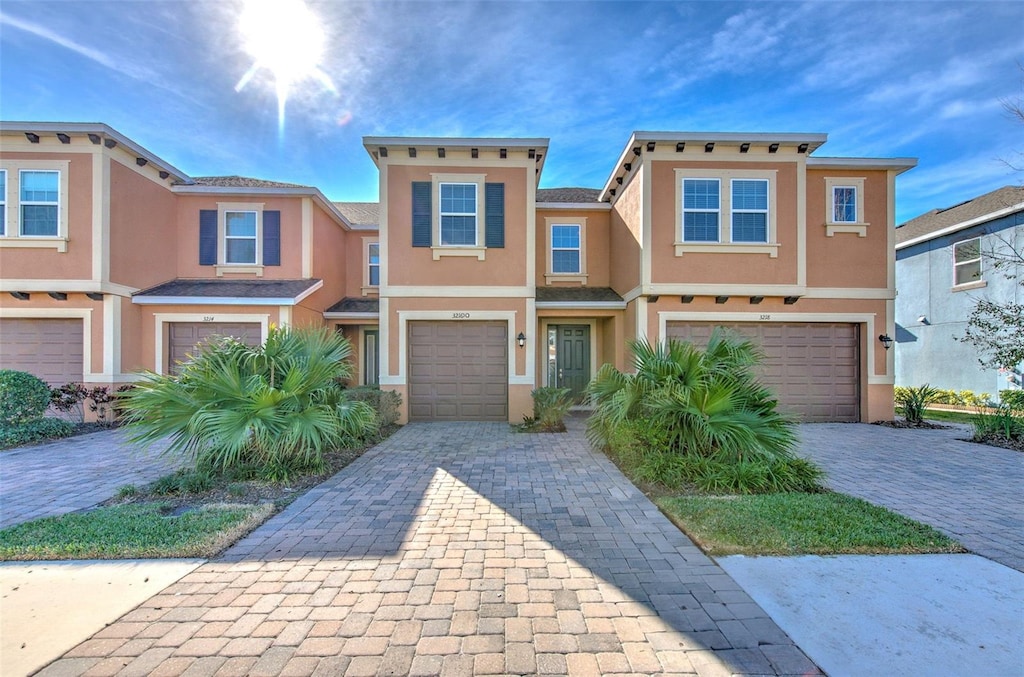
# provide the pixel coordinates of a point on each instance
(969, 491)
(73, 474)
(454, 549)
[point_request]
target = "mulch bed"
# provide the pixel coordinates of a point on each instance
(923, 425)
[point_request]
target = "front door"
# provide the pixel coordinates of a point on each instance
(572, 358)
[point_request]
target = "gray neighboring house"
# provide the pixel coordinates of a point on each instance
(942, 268)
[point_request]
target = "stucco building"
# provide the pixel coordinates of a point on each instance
(467, 285)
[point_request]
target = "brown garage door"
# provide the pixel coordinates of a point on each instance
(458, 371)
(183, 337)
(814, 367)
(49, 348)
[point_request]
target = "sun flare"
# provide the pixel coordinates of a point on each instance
(286, 39)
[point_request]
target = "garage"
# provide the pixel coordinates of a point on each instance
(813, 367)
(458, 371)
(49, 348)
(183, 337)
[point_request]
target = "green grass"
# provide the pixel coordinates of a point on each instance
(135, 530)
(798, 524)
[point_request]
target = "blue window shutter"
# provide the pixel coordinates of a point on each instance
(207, 237)
(272, 238)
(421, 217)
(494, 215)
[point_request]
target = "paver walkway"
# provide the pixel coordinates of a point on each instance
(454, 549)
(969, 491)
(73, 474)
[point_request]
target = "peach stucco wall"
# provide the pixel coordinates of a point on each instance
(330, 260)
(626, 236)
(143, 229)
(291, 234)
(845, 259)
(48, 263)
(408, 265)
(597, 243)
(725, 268)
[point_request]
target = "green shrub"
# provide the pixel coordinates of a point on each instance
(127, 491)
(23, 397)
(1005, 421)
(68, 398)
(385, 403)
(184, 481)
(278, 406)
(1012, 398)
(960, 398)
(36, 430)
(914, 401)
(550, 406)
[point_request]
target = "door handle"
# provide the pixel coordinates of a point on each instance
(560, 377)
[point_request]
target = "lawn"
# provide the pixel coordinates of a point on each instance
(799, 524)
(134, 530)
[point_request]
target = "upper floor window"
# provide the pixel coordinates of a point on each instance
(565, 249)
(458, 214)
(3, 201)
(749, 210)
(240, 237)
(844, 204)
(373, 263)
(40, 203)
(967, 262)
(701, 208)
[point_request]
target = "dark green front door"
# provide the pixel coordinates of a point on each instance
(573, 357)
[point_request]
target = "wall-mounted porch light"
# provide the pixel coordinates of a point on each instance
(521, 340)
(886, 341)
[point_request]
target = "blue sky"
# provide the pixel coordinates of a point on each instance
(882, 79)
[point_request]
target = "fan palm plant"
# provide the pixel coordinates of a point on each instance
(278, 406)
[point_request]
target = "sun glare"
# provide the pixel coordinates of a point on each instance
(284, 38)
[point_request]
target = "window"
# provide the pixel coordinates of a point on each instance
(967, 262)
(3, 201)
(458, 214)
(240, 237)
(40, 203)
(565, 249)
(373, 263)
(844, 204)
(701, 208)
(749, 210)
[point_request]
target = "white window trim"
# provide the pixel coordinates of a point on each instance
(367, 287)
(973, 284)
(222, 250)
(766, 211)
(727, 246)
(12, 236)
(477, 250)
(858, 227)
(550, 275)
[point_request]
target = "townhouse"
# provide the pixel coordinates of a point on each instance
(466, 286)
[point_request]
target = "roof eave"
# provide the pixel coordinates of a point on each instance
(899, 164)
(588, 305)
(350, 316)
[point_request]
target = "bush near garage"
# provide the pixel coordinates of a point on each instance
(698, 417)
(23, 397)
(279, 406)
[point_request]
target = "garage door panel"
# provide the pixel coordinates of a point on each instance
(458, 371)
(51, 349)
(814, 368)
(185, 337)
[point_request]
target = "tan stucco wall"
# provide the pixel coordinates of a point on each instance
(291, 235)
(408, 265)
(725, 268)
(845, 259)
(355, 262)
(329, 263)
(625, 237)
(596, 254)
(47, 263)
(143, 229)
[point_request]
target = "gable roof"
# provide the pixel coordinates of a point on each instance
(242, 182)
(568, 194)
(1005, 200)
(360, 213)
(228, 292)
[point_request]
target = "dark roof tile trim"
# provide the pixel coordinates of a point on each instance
(577, 295)
(350, 305)
(252, 289)
(568, 194)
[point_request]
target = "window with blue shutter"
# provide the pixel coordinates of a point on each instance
(494, 215)
(207, 237)
(272, 238)
(421, 216)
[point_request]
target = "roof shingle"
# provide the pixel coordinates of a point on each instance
(251, 289)
(568, 194)
(360, 213)
(577, 295)
(242, 182)
(938, 219)
(355, 305)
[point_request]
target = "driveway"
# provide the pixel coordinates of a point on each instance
(454, 549)
(73, 474)
(969, 491)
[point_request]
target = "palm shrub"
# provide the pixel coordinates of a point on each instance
(550, 406)
(277, 406)
(914, 401)
(716, 426)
